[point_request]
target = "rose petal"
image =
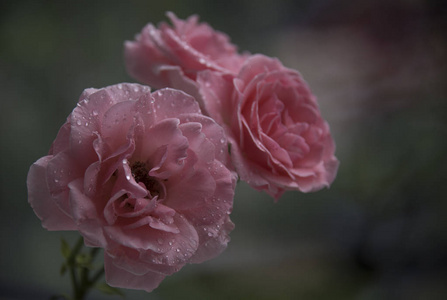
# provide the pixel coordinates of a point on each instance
(119, 277)
(39, 197)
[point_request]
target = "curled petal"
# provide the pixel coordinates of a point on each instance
(53, 218)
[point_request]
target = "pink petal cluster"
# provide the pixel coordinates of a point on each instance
(171, 56)
(279, 140)
(141, 175)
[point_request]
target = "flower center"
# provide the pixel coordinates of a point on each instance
(141, 174)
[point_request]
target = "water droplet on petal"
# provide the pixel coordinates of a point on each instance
(78, 122)
(128, 177)
(120, 86)
(95, 113)
(160, 241)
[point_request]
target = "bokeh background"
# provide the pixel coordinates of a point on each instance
(378, 68)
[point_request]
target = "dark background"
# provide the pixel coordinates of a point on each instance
(378, 69)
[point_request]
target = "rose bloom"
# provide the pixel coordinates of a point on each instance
(141, 175)
(171, 56)
(279, 141)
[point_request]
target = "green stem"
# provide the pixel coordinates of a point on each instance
(97, 275)
(71, 264)
(79, 266)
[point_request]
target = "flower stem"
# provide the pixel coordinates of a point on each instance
(79, 272)
(71, 264)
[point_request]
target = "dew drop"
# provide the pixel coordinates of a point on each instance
(177, 250)
(78, 122)
(95, 113)
(210, 234)
(160, 241)
(128, 177)
(120, 86)
(222, 140)
(136, 89)
(202, 61)
(170, 243)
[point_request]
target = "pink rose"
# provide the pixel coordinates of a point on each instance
(141, 175)
(279, 141)
(172, 56)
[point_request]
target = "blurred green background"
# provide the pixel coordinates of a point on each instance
(378, 69)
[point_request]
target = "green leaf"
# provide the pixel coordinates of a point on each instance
(65, 248)
(84, 260)
(107, 289)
